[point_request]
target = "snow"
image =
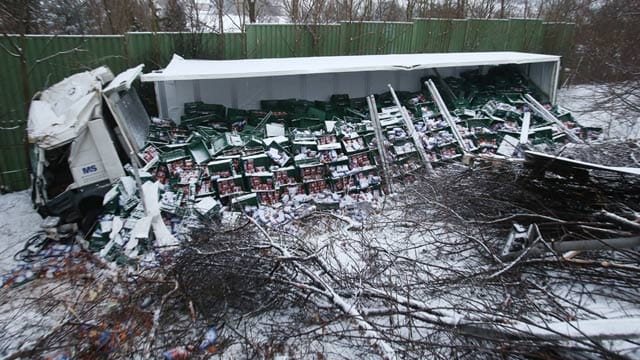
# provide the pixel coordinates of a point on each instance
(183, 69)
(18, 221)
(596, 329)
(233, 23)
(62, 111)
(124, 80)
(617, 123)
(22, 324)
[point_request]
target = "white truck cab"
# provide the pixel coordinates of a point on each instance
(77, 150)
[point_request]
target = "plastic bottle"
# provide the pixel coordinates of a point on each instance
(179, 353)
(210, 338)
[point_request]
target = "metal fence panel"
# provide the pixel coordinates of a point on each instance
(51, 59)
(234, 46)
(524, 35)
(48, 59)
(397, 38)
(558, 38)
(274, 41)
(430, 35)
(12, 106)
(356, 40)
(13, 160)
(149, 49)
(371, 38)
(486, 35)
(327, 40)
(457, 35)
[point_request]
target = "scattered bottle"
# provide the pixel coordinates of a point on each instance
(210, 338)
(178, 353)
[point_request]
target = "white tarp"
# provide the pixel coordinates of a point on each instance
(182, 69)
(62, 111)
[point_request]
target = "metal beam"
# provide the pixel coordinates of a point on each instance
(377, 129)
(435, 95)
(417, 141)
(545, 114)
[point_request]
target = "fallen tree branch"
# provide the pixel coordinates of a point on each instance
(626, 223)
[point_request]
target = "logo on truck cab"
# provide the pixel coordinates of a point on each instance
(89, 169)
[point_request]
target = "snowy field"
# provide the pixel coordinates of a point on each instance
(615, 123)
(18, 221)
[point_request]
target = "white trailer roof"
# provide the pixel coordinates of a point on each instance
(183, 69)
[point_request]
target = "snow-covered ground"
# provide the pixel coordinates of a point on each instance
(615, 122)
(234, 23)
(18, 221)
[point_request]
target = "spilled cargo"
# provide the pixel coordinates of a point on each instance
(288, 158)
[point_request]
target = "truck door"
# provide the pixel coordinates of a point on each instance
(127, 109)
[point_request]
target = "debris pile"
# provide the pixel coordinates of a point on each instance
(50, 262)
(49, 253)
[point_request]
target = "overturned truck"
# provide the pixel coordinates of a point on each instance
(228, 136)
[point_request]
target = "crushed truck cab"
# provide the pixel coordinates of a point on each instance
(77, 149)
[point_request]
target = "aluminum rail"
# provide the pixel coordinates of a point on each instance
(545, 114)
(417, 141)
(435, 95)
(264, 120)
(377, 129)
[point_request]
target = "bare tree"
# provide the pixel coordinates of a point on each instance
(445, 9)
(120, 16)
(461, 8)
(68, 17)
(22, 18)
(482, 9)
(194, 16)
(173, 16)
(565, 10)
(389, 10)
(606, 55)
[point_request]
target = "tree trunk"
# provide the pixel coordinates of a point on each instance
(294, 11)
(24, 73)
(252, 11)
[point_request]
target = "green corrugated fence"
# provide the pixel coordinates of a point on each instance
(44, 60)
